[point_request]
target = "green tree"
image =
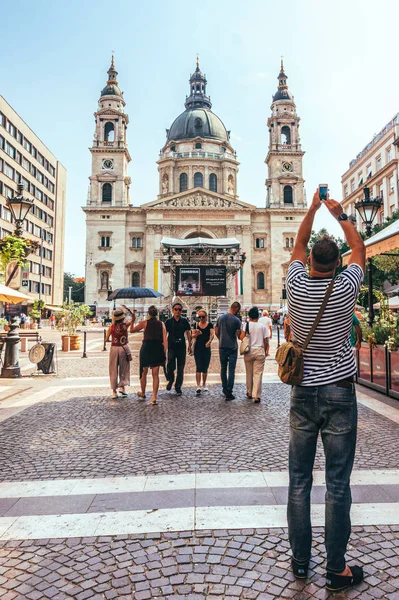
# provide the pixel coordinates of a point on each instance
(77, 285)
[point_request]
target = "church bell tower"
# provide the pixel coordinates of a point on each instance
(285, 183)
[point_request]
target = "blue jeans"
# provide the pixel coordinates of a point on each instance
(228, 357)
(332, 410)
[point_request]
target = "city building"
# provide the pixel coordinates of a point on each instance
(126, 243)
(23, 156)
(376, 167)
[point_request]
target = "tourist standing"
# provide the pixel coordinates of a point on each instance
(152, 352)
(203, 334)
(356, 333)
(178, 328)
(119, 355)
(228, 331)
(266, 320)
(258, 350)
(325, 401)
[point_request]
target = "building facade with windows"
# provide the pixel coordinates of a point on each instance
(198, 197)
(23, 156)
(376, 167)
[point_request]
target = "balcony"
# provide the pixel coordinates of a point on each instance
(197, 154)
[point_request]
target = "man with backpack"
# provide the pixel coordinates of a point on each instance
(325, 399)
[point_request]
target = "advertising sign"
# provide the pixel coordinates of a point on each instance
(204, 280)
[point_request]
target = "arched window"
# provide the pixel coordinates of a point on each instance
(213, 182)
(287, 194)
(198, 180)
(183, 182)
(198, 145)
(287, 242)
(260, 281)
(136, 279)
(285, 135)
(109, 132)
(107, 192)
(291, 242)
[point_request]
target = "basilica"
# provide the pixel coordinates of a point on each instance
(126, 243)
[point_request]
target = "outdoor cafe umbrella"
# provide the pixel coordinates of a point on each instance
(7, 294)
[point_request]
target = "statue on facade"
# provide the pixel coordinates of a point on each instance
(104, 280)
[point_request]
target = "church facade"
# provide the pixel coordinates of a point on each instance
(198, 172)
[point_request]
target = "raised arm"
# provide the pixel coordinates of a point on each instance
(352, 235)
(305, 230)
(138, 327)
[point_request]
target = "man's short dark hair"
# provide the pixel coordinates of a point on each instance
(325, 254)
(236, 306)
(177, 303)
(253, 313)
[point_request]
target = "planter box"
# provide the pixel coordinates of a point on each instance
(379, 366)
(75, 342)
(364, 362)
(394, 370)
(65, 343)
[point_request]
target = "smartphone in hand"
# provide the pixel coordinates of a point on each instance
(323, 191)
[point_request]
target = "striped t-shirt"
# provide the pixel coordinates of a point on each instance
(329, 356)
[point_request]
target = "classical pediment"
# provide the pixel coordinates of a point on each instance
(104, 264)
(198, 198)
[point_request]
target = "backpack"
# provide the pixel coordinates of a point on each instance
(289, 355)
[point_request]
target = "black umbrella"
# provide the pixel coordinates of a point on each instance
(134, 292)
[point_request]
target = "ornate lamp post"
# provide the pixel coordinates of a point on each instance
(368, 209)
(19, 207)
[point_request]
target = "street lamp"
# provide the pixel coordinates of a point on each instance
(19, 206)
(368, 209)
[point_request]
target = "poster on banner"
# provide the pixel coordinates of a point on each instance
(204, 280)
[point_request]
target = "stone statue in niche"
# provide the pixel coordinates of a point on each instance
(104, 280)
(230, 185)
(165, 185)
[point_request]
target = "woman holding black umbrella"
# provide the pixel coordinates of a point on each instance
(120, 355)
(152, 352)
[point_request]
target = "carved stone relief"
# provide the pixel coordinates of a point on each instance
(198, 200)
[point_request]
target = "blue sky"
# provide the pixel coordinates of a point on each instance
(340, 58)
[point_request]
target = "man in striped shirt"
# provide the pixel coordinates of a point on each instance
(326, 399)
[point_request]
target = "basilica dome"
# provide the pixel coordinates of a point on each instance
(197, 122)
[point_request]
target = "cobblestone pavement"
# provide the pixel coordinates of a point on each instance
(246, 564)
(75, 435)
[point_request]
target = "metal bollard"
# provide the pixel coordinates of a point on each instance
(278, 336)
(105, 345)
(84, 355)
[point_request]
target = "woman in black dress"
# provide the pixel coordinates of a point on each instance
(152, 352)
(203, 334)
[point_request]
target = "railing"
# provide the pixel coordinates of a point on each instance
(104, 143)
(378, 368)
(284, 147)
(221, 156)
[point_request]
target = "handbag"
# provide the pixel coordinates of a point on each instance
(289, 355)
(127, 352)
(245, 342)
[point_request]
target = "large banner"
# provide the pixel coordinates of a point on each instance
(201, 281)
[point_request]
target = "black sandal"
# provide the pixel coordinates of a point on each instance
(300, 571)
(336, 583)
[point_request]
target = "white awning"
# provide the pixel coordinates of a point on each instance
(200, 242)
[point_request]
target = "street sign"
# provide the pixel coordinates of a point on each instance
(25, 283)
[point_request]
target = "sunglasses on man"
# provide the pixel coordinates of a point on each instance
(177, 308)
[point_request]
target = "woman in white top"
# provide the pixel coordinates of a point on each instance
(255, 358)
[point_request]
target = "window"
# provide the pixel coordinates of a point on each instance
(260, 281)
(285, 135)
(360, 179)
(25, 163)
(389, 154)
(105, 241)
(6, 214)
(391, 185)
(11, 129)
(183, 182)
(198, 180)
(9, 171)
(173, 148)
(213, 182)
(260, 242)
(291, 242)
(198, 145)
(39, 176)
(346, 191)
(137, 242)
(109, 132)
(47, 289)
(379, 163)
(27, 145)
(352, 185)
(10, 150)
(107, 192)
(369, 171)
(287, 194)
(136, 279)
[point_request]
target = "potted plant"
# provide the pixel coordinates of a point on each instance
(69, 319)
(36, 312)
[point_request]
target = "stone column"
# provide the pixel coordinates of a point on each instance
(190, 177)
(247, 270)
(149, 256)
(206, 178)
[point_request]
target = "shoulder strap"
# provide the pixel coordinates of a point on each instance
(319, 314)
(247, 328)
